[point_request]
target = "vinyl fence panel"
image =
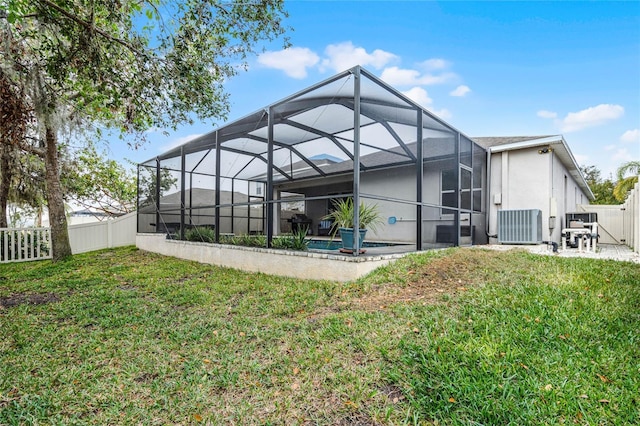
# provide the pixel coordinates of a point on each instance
(100, 235)
(610, 222)
(619, 224)
(24, 244)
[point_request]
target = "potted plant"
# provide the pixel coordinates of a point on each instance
(342, 216)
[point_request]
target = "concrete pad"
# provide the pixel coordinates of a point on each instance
(604, 251)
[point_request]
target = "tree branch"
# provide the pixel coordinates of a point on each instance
(31, 149)
(91, 27)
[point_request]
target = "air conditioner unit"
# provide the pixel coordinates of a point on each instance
(520, 226)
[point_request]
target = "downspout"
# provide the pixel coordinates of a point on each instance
(553, 207)
(488, 198)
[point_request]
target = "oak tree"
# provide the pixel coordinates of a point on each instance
(128, 65)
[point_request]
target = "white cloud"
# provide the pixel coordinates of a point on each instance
(443, 113)
(609, 147)
(621, 155)
(421, 97)
(405, 77)
(590, 117)
(429, 79)
(460, 91)
(400, 77)
(293, 61)
(631, 136)
(547, 114)
(435, 64)
(177, 142)
(418, 95)
(345, 55)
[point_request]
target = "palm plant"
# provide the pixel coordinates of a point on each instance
(625, 184)
(343, 215)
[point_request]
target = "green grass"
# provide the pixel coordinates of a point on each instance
(461, 336)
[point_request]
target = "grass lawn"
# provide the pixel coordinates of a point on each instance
(461, 336)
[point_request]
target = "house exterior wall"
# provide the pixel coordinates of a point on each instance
(527, 179)
(396, 183)
(519, 180)
(568, 195)
(399, 184)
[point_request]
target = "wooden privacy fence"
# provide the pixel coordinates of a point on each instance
(24, 244)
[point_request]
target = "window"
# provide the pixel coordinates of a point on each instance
(448, 192)
(465, 189)
(477, 186)
(470, 190)
(479, 165)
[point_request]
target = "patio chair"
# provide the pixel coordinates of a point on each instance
(324, 227)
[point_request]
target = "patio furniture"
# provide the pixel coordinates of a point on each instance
(324, 227)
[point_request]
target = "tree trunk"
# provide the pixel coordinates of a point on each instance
(55, 202)
(5, 181)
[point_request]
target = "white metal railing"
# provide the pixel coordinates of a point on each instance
(24, 244)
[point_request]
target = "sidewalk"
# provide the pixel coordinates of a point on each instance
(604, 251)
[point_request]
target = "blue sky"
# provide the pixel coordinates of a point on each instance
(487, 68)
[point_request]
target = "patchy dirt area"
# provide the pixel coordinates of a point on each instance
(381, 296)
(427, 283)
(28, 298)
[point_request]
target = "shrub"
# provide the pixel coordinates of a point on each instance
(296, 241)
(202, 234)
